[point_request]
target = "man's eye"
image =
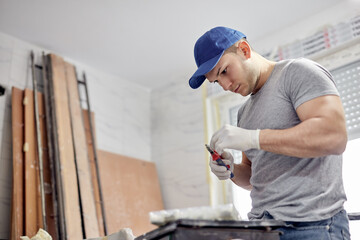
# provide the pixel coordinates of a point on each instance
(224, 71)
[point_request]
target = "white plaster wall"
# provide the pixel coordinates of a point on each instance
(178, 144)
(122, 113)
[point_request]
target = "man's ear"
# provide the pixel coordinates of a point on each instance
(244, 47)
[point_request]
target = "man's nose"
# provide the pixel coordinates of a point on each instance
(225, 83)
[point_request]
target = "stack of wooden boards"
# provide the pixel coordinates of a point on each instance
(130, 187)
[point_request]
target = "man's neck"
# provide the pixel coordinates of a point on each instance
(266, 68)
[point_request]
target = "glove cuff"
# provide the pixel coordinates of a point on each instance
(256, 139)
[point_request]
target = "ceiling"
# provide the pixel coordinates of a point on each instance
(143, 41)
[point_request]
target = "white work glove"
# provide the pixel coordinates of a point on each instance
(221, 171)
(231, 137)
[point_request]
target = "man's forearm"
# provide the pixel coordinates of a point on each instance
(312, 138)
(242, 174)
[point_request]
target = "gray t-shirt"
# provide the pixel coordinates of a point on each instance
(291, 188)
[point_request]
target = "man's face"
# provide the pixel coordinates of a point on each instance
(234, 73)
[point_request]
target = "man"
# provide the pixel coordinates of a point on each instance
(291, 132)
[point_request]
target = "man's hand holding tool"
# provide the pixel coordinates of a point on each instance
(222, 166)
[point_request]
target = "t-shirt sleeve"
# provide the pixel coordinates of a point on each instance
(306, 80)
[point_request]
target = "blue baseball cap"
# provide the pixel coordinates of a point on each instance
(208, 50)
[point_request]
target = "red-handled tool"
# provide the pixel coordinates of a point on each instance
(216, 157)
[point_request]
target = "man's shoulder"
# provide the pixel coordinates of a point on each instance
(300, 63)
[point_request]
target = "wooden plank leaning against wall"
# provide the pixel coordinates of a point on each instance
(137, 192)
(66, 151)
(90, 147)
(17, 115)
(81, 155)
(32, 219)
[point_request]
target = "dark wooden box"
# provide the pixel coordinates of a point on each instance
(185, 229)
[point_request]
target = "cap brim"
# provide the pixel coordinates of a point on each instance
(195, 82)
(199, 76)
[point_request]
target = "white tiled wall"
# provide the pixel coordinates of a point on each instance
(164, 126)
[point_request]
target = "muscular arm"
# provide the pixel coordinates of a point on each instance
(322, 131)
(242, 173)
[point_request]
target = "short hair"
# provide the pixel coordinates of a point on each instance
(233, 48)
